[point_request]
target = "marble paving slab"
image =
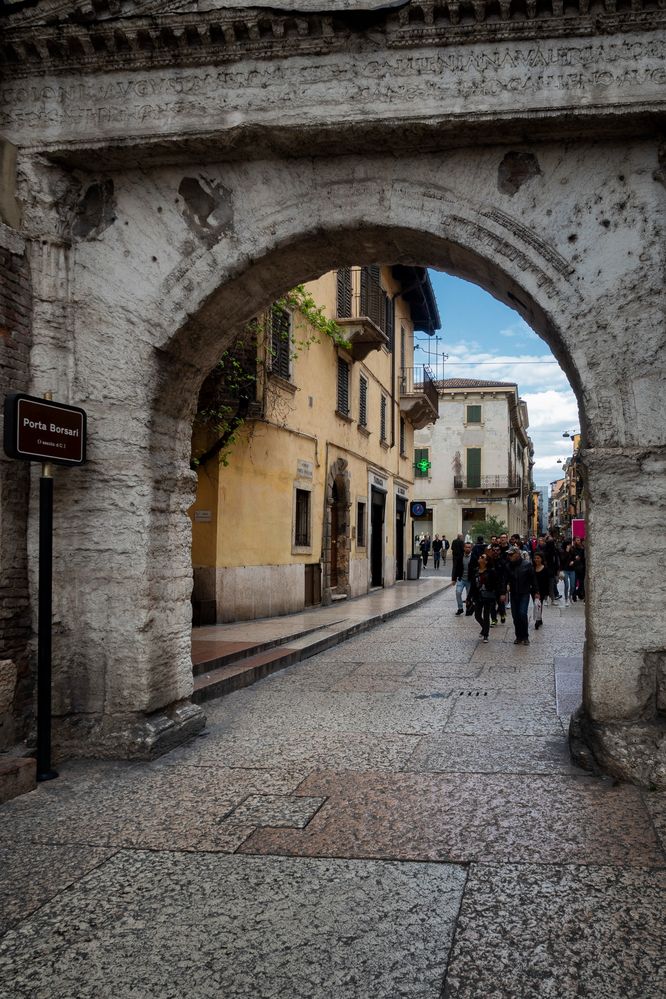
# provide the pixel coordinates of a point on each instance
(470, 817)
(173, 925)
(155, 808)
(30, 875)
(302, 751)
(560, 932)
(379, 713)
(500, 712)
(492, 754)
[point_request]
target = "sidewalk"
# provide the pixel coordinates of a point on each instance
(227, 657)
(397, 816)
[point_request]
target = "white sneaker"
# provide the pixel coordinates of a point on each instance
(566, 603)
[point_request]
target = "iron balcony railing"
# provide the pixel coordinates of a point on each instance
(419, 381)
(486, 482)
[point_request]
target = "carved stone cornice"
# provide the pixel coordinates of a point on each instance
(83, 37)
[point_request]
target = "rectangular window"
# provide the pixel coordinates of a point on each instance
(421, 462)
(473, 467)
(280, 339)
(402, 436)
(302, 520)
(473, 414)
(343, 387)
(363, 402)
(382, 420)
(360, 525)
(344, 293)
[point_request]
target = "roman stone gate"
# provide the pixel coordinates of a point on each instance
(180, 163)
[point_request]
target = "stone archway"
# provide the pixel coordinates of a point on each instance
(563, 292)
(156, 226)
(337, 533)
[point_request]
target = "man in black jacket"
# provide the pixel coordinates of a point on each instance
(522, 586)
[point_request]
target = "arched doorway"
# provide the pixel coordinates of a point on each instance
(293, 221)
(337, 534)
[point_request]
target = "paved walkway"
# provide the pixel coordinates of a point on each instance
(394, 818)
(339, 620)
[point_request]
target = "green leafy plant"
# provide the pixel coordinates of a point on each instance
(489, 527)
(226, 394)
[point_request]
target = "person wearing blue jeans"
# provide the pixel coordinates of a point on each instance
(569, 564)
(522, 585)
(461, 576)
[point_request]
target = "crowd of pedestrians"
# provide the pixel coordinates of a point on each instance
(512, 571)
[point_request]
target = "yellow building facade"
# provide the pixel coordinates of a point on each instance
(313, 503)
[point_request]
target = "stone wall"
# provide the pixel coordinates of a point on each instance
(15, 338)
(250, 591)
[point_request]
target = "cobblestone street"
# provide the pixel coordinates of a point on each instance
(395, 817)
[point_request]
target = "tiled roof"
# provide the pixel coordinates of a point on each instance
(472, 383)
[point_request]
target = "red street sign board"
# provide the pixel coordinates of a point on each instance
(41, 430)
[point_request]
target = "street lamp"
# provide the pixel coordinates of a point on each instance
(570, 434)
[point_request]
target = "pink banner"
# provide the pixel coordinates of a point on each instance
(578, 528)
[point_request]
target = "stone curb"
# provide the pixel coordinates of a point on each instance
(225, 680)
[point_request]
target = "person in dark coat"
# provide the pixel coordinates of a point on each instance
(425, 549)
(457, 547)
(522, 586)
(488, 586)
(437, 546)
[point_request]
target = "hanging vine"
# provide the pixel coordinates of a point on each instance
(229, 390)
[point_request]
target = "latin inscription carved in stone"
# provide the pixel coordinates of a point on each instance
(472, 79)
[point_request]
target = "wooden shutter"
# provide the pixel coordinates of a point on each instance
(343, 387)
(280, 321)
(363, 402)
(382, 419)
(473, 414)
(473, 467)
(420, 454)
(344, 293)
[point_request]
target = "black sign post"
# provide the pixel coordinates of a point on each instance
(43, 430)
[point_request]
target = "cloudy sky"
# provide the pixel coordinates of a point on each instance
(485, 339)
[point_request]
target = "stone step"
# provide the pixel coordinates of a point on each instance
(17, 776)
(233, 676)
(222, 653)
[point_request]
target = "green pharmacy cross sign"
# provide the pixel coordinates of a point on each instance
(423, 465)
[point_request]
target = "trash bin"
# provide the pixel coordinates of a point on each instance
(413, 567)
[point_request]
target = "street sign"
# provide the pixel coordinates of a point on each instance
(54, 434)
(417, 508)
(41, 430)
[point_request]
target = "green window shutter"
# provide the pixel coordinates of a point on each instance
(474, 467)
(474, 414)
(421, 463)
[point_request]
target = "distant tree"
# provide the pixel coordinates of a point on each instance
(488, 527)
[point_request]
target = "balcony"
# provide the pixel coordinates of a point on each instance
(364, 310)
(419, 399)
(488, 485)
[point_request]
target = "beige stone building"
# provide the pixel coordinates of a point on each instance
(312, 504)
(476, 458)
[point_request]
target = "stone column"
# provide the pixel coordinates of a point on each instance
(122, 567)
(621, 728)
